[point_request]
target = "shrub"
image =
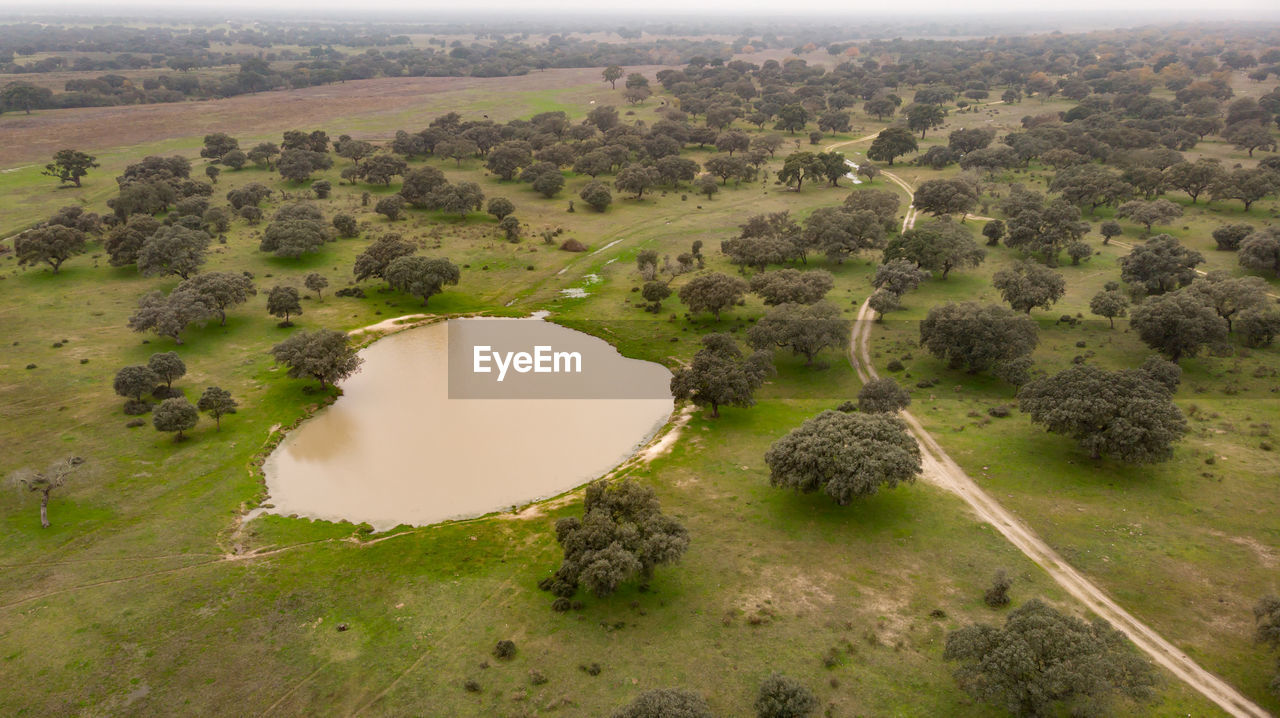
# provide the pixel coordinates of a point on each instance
(783, 697)
(997, 596)
(135, 407)
(505, 650)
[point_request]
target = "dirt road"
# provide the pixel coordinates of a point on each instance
(941, 470)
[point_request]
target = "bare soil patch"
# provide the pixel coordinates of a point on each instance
(36, 136)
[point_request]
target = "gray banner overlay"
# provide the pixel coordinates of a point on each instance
(535, 359)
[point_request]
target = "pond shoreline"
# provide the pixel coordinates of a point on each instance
(655, 438)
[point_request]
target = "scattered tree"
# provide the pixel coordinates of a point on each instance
(500, 207)
(1178, 324)
(977, 337)
(806, 329)
(176, 415)
(1230, 295)
(596, 195)
(1027, 285)
(373, 261)
(295, 230)
(133, 381)
(167, 366)
(221, 291)
(898, 276)
(51, 244)
(1147, 213)
(882, 395)
(421, 276)
(1042, 659)
(937, 246)
(46, 482)
(390, 207)
(1126, 414)
(892, 143)
(325, 354)
(1260, 251)
(217, 402)
(792, 286)
(1160, 265)
(622, 534)
(1109, 229)
(169, 315)
(712, 292)
(720, 375)
(845, 455)
(1109, 303)
(283, 301)
(70, 166)
(946, 197)
(316, 282)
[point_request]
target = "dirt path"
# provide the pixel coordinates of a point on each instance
(941, 470)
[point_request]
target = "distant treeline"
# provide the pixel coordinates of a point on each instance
(1101, 62)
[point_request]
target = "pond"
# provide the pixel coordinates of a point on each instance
(395, 448)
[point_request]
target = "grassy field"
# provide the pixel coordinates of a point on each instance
(150, 596)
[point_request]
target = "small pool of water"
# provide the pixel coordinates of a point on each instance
(395, 449)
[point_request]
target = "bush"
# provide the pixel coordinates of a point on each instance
(998, 595)
(505, 650)
(1000, 411)
(346, 225)
(163, 392)
(135, 407)
(883, 395)
(665, 703)
(782, 697)
(472, 685)
(536, 677)
(895, 365)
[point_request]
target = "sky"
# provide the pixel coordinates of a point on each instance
(420, 9)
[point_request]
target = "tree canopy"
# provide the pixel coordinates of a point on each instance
(1126, 414)
(721, 375)
(422, 276)
(324, 354)
(977, 337)
(622, 535)
(805, 329)
(1041, 659)
(844, 455)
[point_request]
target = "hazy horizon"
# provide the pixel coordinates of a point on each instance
(1151, 11)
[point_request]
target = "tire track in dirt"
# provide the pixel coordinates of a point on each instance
(941, 470)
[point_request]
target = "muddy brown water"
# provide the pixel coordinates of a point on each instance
(395, 449)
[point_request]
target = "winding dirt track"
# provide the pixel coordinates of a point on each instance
(941, 470)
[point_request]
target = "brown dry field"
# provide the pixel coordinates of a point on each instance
(29, 138)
